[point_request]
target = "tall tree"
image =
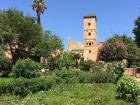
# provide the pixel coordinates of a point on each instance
(126, 41)
(49, 46)
(39, 6)
(136, 31)
(18, 33)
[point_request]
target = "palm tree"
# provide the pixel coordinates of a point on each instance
(76, 58)
(39, 7)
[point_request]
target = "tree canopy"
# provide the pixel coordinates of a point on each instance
(50, 45)
(115, 49)
(18, 33)
(136, 30)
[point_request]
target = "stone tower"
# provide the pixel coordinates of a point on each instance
(90, 47)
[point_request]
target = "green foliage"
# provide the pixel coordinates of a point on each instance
(117, 68)
(49, 44)
(23, 86)
(77, 57)
(138, 100)
(136, 30)
(18, 33)
(87, 65)
(113, 51)
(55, 62)
(128, 42)
(25, 68)
(75, 94)
(73, 76)
(128, 88)
(104, 77)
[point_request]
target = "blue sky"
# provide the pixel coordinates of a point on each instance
(65, 17)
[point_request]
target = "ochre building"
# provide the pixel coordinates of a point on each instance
(89, 49)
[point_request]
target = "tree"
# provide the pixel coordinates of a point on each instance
(26, 68)
(136, 30)
(76, 57)
(18, 33)
(39, 7)
(67, 59)
(128, 42)
(113, 51)
(50, 45)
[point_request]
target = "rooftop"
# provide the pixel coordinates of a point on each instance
(90, 15)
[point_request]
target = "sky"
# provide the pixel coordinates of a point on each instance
(65, 17)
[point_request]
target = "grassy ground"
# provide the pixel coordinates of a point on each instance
(70, 94)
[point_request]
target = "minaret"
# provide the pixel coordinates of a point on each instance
(90, 50)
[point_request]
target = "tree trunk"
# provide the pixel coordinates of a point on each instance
(38, 18)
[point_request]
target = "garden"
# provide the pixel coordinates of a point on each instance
(35, 69)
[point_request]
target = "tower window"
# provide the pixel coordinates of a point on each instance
(89, 24)
(89, 34)
(89, 51)
(90, 43)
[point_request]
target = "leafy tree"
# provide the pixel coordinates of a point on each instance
(39, 7)
(136, 30)
(113, 51)
(128, 42)
(76, 57)
(55, 62)
(49, 46)
(18, 33)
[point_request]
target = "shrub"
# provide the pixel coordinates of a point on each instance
(87, 65)
(25, 68)
(5, 67)
(74, 76)
(104, 77)
(67, 76)
(128, 88)
(23, 86)
(115, 67)
(138, 100)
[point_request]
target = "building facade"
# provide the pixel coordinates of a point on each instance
(89, 48)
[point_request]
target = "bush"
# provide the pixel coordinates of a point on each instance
(5, 67)
(25, 68)
(74, 76)
(104, 77)
(115, 67)
(138, 100)
(128, 88)
(87, 65)
(23, 86)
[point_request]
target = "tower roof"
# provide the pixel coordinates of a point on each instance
(90, 15)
